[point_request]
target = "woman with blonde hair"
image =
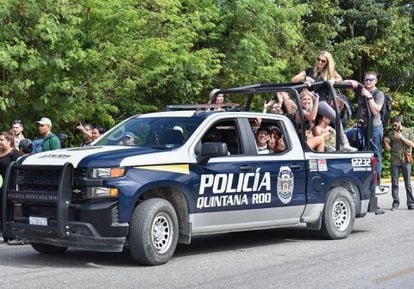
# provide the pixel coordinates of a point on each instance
(324, 70)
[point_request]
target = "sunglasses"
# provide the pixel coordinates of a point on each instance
(321, 60)
(369, 79)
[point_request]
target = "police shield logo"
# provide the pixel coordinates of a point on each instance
(285, 183)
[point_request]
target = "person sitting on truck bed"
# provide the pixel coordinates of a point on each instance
(309, 102)
(324, 70)
(322, 128)
(283, 105)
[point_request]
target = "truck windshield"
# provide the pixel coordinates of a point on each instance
(161, 132)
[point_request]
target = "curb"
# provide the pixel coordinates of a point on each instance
(388, 180)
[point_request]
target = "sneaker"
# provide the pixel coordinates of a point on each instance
(348, 148)
(382, 190)
(394, 207)
(379, 211)
(15, 242)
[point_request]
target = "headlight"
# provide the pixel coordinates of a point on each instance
(101, 192)
(104, 173)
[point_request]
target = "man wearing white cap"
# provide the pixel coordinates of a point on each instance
(50, 140)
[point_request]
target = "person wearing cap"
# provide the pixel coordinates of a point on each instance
(129, 139)
(51, 141)
(17, 129)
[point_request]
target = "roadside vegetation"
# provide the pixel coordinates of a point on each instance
(100, 61)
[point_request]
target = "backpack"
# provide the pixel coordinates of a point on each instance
(37, 145)
(386, 109)
(356, 137)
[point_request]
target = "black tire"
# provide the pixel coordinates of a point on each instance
(153, 232)
(338, 215)
(48, 249)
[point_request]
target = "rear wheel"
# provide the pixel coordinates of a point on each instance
(48, 249)
(339, 214)
(153, 232)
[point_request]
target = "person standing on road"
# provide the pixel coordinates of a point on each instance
(51, 141)
(8, 154)
(17, 128)
(400, 142)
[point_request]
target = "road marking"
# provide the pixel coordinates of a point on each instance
(394, 275)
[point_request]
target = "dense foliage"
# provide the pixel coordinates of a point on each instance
(100, 61)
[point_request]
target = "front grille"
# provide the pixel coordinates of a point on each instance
(35, 180)
(41, 184)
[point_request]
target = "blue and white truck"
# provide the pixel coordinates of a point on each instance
(186, 173)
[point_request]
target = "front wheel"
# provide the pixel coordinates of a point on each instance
(153, 232)
(339, 214)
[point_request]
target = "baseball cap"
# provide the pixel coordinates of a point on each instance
(129, 134)
(45, 121)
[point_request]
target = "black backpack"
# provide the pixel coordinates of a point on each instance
(386, 109)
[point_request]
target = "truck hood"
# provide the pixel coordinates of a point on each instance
(88, 156)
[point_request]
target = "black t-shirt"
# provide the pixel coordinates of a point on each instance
(6, 160)
(323, 91)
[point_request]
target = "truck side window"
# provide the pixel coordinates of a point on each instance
(225, 132)
(270, 136)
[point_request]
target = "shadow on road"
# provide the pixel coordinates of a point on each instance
(25, 256)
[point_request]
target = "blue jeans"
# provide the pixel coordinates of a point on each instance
(376, 140)
(406, 172)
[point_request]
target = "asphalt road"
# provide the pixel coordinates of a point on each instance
(378, 254)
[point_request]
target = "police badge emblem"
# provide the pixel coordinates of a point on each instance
(285, 184)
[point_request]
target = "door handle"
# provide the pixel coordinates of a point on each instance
(246, 168)
(296, 167)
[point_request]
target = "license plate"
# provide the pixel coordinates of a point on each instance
(38, 221)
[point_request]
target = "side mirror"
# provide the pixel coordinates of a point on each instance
(212, 149)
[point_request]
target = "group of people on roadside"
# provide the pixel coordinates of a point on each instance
(13, 145)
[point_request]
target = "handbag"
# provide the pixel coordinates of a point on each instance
(408, 157)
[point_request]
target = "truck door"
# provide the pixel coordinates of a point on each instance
(247, 189)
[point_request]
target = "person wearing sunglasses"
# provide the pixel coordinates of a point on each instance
(324, 70)
(373, 99)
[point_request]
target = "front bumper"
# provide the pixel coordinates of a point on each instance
(92, 225)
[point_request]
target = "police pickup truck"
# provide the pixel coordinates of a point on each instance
(161, 178)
